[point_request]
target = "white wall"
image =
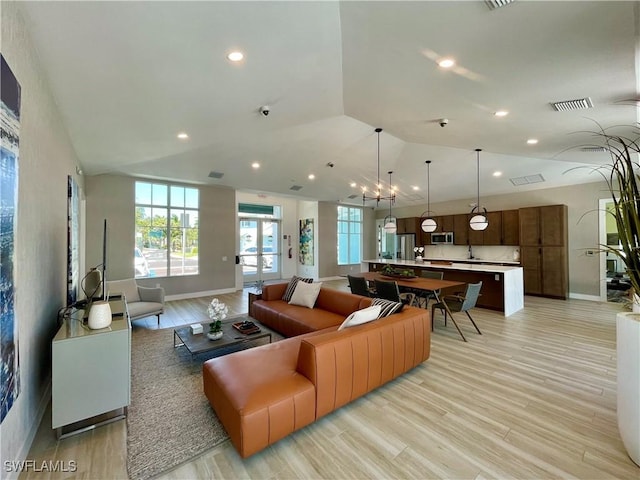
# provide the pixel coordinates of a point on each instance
(46, 158)
(113, 197)
(309, 209)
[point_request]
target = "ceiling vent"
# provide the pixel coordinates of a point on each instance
(214, 174)
(296, 188)
(568, 105)
(493, 4)
(527, 179)
(593, 149)
(353, 196)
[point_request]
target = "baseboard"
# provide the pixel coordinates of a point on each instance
(208, 293)
(581, 296)
(23, 454)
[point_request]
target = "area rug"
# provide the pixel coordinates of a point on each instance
(170, 420)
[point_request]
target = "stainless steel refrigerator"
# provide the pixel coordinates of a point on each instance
(404, 246)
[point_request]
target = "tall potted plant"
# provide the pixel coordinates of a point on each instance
(623, 179)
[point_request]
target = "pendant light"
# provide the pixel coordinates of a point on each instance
(390, 223)
(378, 188)
(427, 223)
(479, 214)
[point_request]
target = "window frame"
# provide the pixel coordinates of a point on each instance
(350, 233)
(167, 208)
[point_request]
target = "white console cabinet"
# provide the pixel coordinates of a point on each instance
(91, 369)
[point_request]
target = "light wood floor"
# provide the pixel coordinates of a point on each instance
(533, 397)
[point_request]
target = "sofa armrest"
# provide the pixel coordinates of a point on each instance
(273, 291)
(151, 294)
(344, 365)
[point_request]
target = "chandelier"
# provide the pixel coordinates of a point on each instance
(390, 222)
(378, 189)
(427, 223)
(479, 214)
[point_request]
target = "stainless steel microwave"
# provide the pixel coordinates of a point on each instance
(442, 238)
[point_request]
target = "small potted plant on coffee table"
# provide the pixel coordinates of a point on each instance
(215, 330)
(217, 312)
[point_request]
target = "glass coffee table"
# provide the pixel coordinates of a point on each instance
(199, 343)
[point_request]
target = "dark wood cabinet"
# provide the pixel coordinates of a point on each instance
(492, 291)
(510, 227)
(554, 272)
(407, 225)
(553, 225)
(493, 234)
(529, 226)
(530, 259)
(544, 271)
(543, 225)
(543, 251)
(461, 229)
(445, 223)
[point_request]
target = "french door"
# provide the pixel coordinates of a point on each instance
(259, 249)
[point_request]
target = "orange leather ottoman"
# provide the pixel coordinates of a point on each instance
(258, 395)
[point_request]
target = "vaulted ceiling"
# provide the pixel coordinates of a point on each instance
(129, 76)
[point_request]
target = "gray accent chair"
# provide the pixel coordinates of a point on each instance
(459, 303)
(141, 301)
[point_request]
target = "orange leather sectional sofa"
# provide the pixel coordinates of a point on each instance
(263, 394)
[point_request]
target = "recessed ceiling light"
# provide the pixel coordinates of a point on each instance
(415, 188)
(532, 141)
(446, 63)
(353, 184)
(497, 174)
(183, 136)
(311, 176)
(501, 113)
(235, 56)
(255, 165)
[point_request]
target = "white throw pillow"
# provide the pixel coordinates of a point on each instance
(305, 294)
(361, 316)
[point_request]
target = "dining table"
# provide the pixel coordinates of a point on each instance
(432, 285)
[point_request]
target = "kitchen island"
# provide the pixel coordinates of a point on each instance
(502, 285)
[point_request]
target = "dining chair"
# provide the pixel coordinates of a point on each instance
(459, 303)
(359, 286)
(426, 295)
(389, 291)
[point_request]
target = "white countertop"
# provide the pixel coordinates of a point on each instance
(462, 265)
(476, 260)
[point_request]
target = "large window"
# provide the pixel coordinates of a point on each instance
(166, 230)
(349, 235)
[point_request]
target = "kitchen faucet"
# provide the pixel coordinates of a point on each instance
(470, 253)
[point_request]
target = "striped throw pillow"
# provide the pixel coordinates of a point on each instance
(387, 307)
(286, 296)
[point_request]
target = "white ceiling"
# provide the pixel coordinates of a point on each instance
(128, 76)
